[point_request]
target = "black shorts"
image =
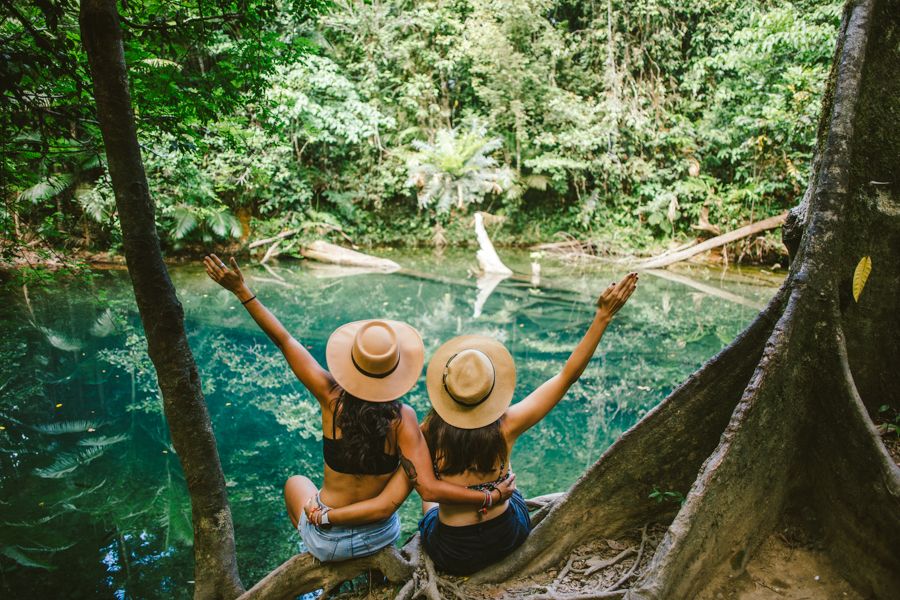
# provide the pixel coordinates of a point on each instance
(468, 548)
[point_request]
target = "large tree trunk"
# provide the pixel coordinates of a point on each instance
(215, 569)
(775, 429)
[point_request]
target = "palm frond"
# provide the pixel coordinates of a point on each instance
(103, 440)
(62, 427)
(185, 221)
(68, 462)
(47, 188)
(60, 340)
(104, 325)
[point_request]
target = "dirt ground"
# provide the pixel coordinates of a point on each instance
(781, 571)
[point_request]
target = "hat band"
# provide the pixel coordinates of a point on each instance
(374, 375)
(457, 400)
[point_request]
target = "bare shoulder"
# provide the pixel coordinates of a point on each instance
(408, 417)
(506, 428)
(330, 398)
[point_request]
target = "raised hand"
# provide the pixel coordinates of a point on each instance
(231, 279)
(616, 295)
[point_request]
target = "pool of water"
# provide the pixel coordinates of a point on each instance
(92, 499)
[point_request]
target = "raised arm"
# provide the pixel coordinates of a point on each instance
(416, 462)
(523, 415)
(307, 369)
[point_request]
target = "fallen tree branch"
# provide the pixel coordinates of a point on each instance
(293, 232)
(303, 573)
(726, 238)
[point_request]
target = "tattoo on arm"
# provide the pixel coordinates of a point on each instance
(409, 468)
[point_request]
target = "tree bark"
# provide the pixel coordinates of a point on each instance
(215, 569)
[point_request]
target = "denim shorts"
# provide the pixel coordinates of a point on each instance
(465, 549)
(335, 543)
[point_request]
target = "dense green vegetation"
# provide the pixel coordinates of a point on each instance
(388, 119)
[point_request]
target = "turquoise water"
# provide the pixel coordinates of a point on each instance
(92, 500)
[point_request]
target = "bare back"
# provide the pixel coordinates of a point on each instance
(341, 489)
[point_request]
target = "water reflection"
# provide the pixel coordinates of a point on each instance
(92, 500)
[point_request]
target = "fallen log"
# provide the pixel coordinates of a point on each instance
(330, 253)
(726, 238)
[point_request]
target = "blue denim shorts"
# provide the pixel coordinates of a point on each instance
(468, 548)
(336, 543)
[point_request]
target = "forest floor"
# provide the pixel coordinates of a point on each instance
(789, 565)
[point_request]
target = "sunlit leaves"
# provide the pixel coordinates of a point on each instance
(861, 275)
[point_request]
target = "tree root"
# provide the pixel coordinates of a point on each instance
(303, 573)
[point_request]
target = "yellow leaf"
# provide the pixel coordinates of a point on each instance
(860, 275)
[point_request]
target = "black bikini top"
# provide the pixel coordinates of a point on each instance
(488, 485)
(376, 464)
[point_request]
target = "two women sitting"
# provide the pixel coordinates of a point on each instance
(458, 462)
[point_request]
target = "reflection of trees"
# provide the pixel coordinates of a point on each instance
(123, 488)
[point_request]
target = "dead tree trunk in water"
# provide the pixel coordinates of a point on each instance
(777, 428)
(215, 569)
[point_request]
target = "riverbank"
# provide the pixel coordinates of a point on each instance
(617, 247)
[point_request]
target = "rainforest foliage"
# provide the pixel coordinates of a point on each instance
(618, 120)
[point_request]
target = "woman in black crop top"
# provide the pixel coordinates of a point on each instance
(367, 431)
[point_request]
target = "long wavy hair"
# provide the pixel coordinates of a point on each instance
(364, 426)
(456, 450)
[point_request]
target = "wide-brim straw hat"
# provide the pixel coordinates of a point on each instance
(471, 380)
(375, 360)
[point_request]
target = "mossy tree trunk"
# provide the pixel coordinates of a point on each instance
(215, 570)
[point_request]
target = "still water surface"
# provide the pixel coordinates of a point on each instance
(92, 499)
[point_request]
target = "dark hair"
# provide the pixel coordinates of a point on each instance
(456, 450)
(364, 426)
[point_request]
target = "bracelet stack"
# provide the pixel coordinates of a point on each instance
(488, 501)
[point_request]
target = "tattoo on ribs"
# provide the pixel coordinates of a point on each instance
(408, 467)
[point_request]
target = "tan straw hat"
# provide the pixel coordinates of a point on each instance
(471, 380)
(375, 360)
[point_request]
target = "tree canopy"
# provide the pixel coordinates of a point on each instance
(625, 116)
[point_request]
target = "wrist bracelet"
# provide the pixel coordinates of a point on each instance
(250, 299)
